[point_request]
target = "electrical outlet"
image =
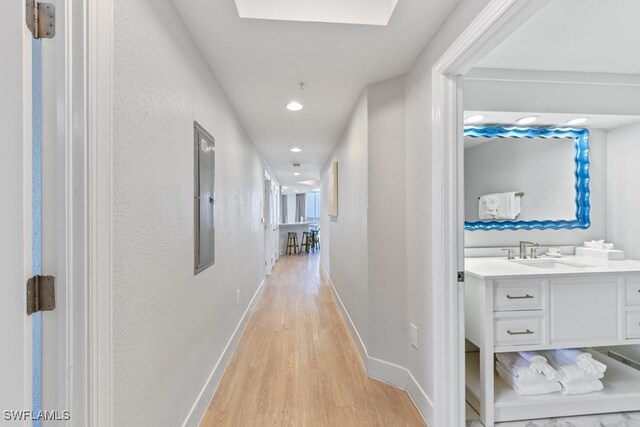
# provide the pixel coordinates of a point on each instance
(237, 296)
(414, 335)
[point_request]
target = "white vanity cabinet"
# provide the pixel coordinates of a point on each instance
(515, 308)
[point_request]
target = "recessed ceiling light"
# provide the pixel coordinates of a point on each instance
(284, 188)
(577, 121)
(474, 119)
(527, 120)
(296, 173)
(294, 106)
(296, 150)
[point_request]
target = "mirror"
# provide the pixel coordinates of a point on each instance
(526, 178)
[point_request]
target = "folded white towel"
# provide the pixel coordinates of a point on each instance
(539, 363)
(499, 206)
(598, 244)
(519, 367)
(584, 361)
(509, 206)
(530, 379)
(488, 206)
(567, 370)
(582, 387)
(544, 386)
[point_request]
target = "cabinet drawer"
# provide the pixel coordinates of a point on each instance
(633, 324)
(520, 295)
(520, 330)
(633, 291)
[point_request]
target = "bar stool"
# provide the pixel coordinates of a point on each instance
(315, 239)
(307, 241)
(292, 242)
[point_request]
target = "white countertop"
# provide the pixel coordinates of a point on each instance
(298, 224)
(500, 267)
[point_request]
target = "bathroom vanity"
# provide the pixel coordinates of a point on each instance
(549, 303)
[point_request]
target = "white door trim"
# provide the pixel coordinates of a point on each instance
(99, 61)
(490, 27)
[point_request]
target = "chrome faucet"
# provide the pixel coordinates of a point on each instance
(523, 248)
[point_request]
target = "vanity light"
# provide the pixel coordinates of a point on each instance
(296, 173)
(294, 106)
(474, 119)
(577, 121)
(296, 150)
(527, 120)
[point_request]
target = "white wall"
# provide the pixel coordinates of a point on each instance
(344, 238)
(15, 215)
(598, 187)
(623, 203)
(386, 221)
(364, 248)
(171, 327)
(418, 189)
(291, 208)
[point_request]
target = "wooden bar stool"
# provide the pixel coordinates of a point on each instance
(292, 242)
(306, 241)
(315, 239)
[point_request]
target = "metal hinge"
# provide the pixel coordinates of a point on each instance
(41, 294)
(41, 19)
(460, 276)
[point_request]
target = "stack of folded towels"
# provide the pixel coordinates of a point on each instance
(570, 371)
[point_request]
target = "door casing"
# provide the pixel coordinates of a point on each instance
(495, 23)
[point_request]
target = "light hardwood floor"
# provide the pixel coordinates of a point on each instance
(297, 366)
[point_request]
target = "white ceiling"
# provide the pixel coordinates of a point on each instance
(596, 36)
(260, 62)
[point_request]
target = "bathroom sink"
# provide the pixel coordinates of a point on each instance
(547, 263)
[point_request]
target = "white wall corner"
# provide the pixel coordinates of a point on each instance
(387, 372)
(199, 408)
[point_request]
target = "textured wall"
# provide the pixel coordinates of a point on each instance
(170, 327)
(418, 189)
(623, 204)
(344, 238)
(386, 220)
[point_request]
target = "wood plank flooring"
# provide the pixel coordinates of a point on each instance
(297, 366)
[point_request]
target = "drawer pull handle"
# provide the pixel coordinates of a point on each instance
(527, 296)
(527, 332)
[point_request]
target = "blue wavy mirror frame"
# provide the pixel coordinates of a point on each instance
(581, 144)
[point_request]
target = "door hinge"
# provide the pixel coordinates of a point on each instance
(41, 294)
(41, 19)
(460, 276)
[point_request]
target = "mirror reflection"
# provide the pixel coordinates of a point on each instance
(523, 179)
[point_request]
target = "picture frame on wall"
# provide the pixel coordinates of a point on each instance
(332, 192)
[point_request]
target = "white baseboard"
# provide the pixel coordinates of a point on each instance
(420, 399)
(362, 350)
(381, 370)
(199, 408)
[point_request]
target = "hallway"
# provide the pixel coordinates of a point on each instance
(297, 366)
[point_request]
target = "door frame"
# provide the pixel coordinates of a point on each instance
(98, 79)
(83, 91)
(493, 25)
